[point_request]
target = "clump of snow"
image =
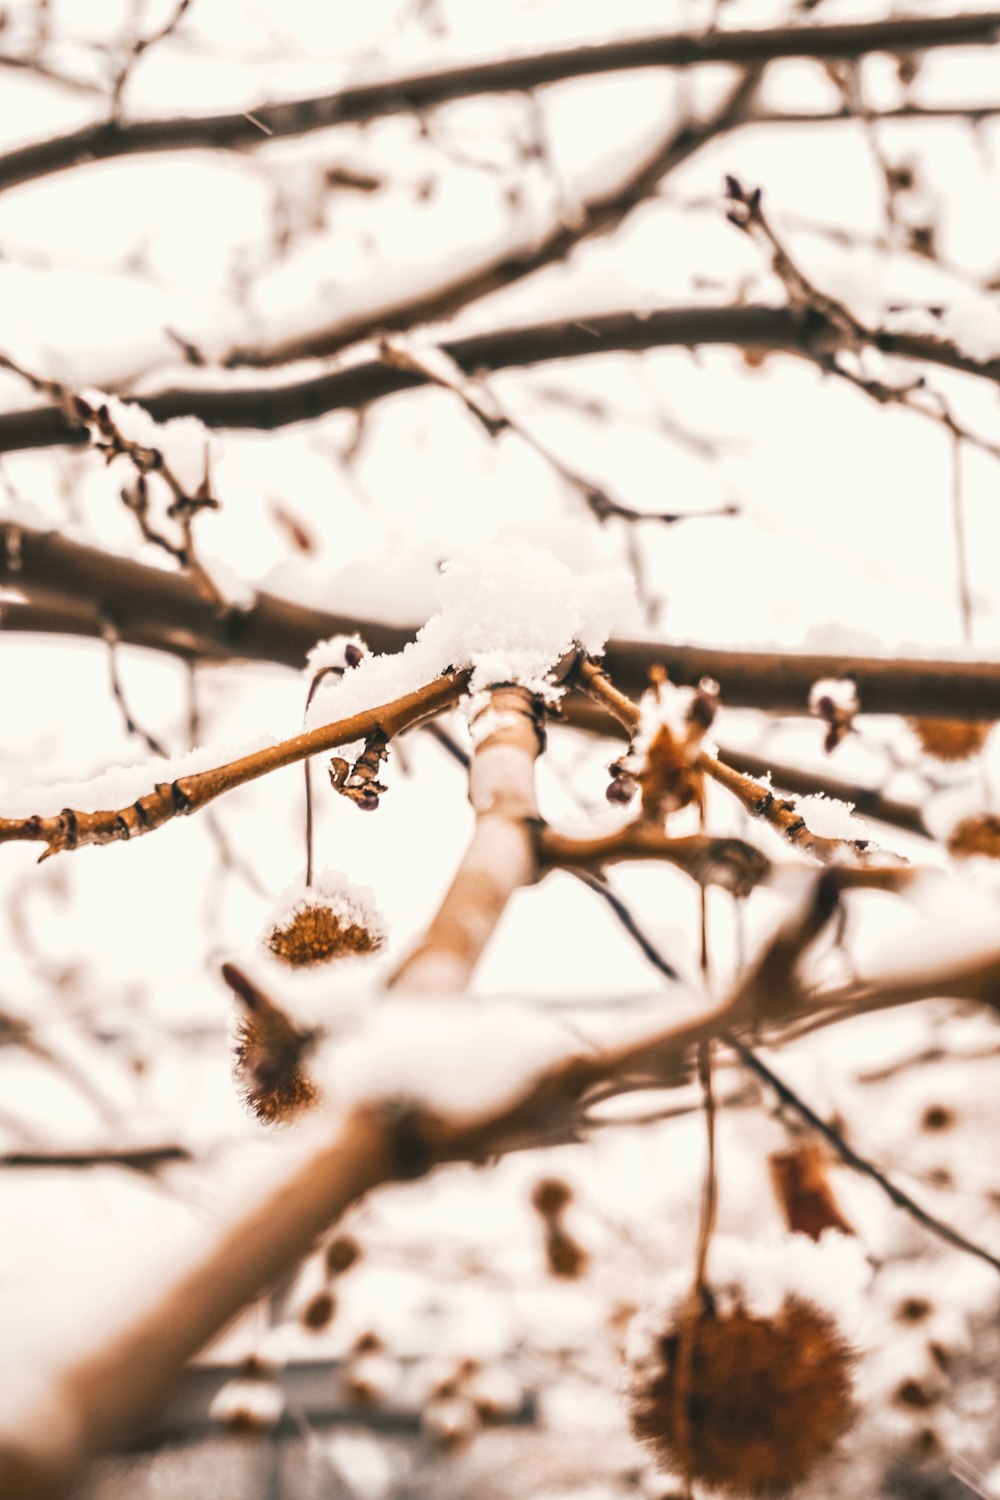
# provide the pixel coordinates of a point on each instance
(335, 655)
(508, 611)
(972, 324)
(829, 818)
(956, 923)
(449, 1057)
(119, 785)
(841, 691)
(256, 1403)
(332, 888)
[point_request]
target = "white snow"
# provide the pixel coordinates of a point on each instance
(841, 691)
(509, 611)
(830, 818)
(352, 903)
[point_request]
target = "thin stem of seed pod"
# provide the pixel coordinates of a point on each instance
(307, 768)
(961, 551)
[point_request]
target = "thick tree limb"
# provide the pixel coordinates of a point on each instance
(770, 329)
(502, 856)
(71, 588)
(369, 101)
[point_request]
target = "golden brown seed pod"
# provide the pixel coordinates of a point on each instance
(269, 1053)
(316, 932)
(951, 739)
(744, 1404)
(977, 835)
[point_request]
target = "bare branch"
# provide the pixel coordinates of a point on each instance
(369, 101)
(771, 329)
(72, 587)
(72, 829)
(502, 855)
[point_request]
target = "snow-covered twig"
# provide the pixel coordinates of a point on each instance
(367, 101)
(72, 829)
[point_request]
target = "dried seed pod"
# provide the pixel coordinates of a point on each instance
(315, 933)
(565, 1257)
(976, 835)
(318, 1312)
(550, 1196)
(951, 739)
(937, 1117)
(804, 1192)
(743, 1403)
(269, 1054)
(450, 1421)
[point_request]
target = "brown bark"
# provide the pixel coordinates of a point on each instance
(368, 101)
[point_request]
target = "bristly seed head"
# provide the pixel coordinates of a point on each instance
(316, 932)
(268, 1055)
(744, 1404)
(951, 739)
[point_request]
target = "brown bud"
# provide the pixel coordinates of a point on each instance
(318, 1311)
(341, 1254)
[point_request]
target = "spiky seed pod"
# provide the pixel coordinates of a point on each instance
(744, 1404)
(951, 739)
(316, 932)
(268, 1055)
(977, 835)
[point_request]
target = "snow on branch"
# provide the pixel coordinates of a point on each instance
(786, 330)
(264, 122)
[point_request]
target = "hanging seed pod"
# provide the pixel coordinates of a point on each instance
(269, 1054)
(976, 835)
(745, 1404)
(324, 921)
(951, 739)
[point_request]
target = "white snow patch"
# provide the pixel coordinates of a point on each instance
(830, 818)
(509, 611)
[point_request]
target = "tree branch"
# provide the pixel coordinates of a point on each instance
(72, 829)
(772, 329)
(265, 122)
(591, 218)
(502, 856)
(91, 1401)
(71, 588)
